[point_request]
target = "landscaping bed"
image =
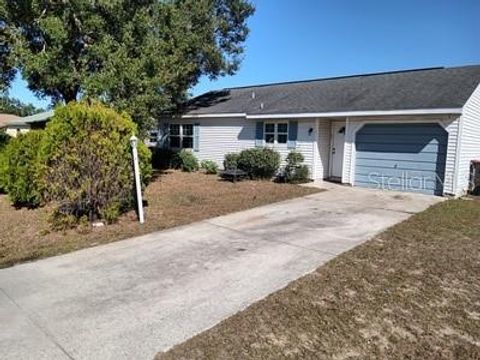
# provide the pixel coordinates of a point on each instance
(174, 198)
(413, 292)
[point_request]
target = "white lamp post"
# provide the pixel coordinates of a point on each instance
(138, 184)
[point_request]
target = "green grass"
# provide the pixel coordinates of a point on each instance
(413, 292)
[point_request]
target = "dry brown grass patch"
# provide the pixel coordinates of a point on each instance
(411, 293)
(174, 198)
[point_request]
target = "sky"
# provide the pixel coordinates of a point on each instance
(307, 39)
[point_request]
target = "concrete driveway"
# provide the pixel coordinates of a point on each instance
(130, 299)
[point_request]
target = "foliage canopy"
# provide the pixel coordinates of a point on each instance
(9, 105)
(140, 56)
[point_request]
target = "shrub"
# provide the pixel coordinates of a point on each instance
(19, 169)
(87, 163)
(3, 171)
(4, 139)
(231, 161)
(259, 163)
(186, 161)
(295, 171)
(210, 167)
(163, 158)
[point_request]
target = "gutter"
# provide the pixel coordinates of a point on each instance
(443, 111)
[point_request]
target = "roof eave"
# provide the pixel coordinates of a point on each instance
(440, 111)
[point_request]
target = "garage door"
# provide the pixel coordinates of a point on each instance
(405, 157)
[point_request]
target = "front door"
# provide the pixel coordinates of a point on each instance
(336, 150)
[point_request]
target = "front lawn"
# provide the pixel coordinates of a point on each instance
(174, 198)
(411, 293)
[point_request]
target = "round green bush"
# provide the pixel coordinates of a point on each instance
(86, 162)
(295, 171)
(294, 158)
(186, 161)
(259, 163)
(19, 169)
(210, 167)
(231, 161)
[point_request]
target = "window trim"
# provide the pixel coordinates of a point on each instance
(275, 132)
(181, 136)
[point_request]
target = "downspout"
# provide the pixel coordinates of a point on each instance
(347, 134)
(315, 150)
(457, 155)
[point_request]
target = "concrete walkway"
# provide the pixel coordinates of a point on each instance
(130, 299)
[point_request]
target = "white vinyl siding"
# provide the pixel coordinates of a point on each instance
(452, 127)
(219, 136)
(469, 141)
(322, 151)
(450, 124)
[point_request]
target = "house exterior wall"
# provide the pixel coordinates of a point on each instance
(322, 149)
(469, 144)
(14, 130)
(219, 136)
(450, 123)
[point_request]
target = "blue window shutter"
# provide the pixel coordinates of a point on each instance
(259, 134)
(292, 134)
(196, 137)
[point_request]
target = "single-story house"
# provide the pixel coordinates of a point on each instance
(19, 125)
(415, 130)
(5, 120)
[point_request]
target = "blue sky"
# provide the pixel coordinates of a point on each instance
(304, 39)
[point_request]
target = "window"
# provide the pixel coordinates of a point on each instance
(153, 136)
(276, 133)
(181, 136)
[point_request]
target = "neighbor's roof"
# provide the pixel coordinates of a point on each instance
(433, 88)
(5, 119)
(40, 117)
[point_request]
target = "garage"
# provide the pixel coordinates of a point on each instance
(404, 157)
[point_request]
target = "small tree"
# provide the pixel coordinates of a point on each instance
(87, 162)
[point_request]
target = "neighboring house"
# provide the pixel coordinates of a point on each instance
(414, 130)
(18, 125)
(5, 120)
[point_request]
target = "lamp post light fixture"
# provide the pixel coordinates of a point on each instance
(138, 184)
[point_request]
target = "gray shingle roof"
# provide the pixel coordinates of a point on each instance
(36, 118)
(434, 88)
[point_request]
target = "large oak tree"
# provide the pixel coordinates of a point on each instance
(141, 56)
